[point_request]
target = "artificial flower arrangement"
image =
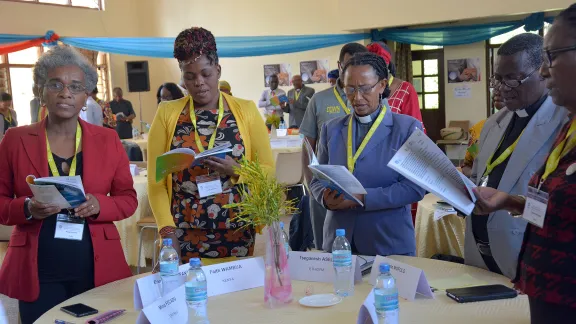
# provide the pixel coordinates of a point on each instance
(273, 120)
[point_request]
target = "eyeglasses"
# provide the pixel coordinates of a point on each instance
(550, 55)
(495, 82)
(366, 89)
(57, 87)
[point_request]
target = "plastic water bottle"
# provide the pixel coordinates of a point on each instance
(169, 263)
(285, 238)
(342, 259)
(282, 126)
(196, 293)
(386, 296)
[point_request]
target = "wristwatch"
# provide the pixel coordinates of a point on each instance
(27, 209)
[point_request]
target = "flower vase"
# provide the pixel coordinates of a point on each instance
(273, 133)
(277, 283)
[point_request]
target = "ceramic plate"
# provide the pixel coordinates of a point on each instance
(322, 300)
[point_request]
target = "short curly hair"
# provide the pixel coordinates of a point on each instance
(64, 55)
(194, 42)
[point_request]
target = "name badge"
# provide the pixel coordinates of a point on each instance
(536, 205)
(69, 228)
(409, 280)
(208, 185)
(171, 308)
(318, 267)
(234, 276)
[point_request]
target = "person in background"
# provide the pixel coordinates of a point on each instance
(92, 112)
(324, 106)
(9, 117)
(225, 87)
(372, 135)
(472, 150)
(34, 106)
(120, 105)
(333, 77)
(168, 91)
(403, 97)
(298, 99)
(273, 91)
(547, 261)
(182, 87)
(198, 224)
(42, 269)
(512, 147)
(108, 119)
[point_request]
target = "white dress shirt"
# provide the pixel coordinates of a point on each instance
(93, 114)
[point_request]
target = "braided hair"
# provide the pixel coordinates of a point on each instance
(568, 16)
(194, 42)
(376, 62)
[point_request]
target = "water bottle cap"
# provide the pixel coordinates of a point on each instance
(281, 225)
(195, 262)
(167, 241)
(384, 267)
(340, 232)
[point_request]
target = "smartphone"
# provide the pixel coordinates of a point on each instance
(79, 310)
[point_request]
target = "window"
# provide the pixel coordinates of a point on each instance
(426, 82)
(92, 4)
(415, 47)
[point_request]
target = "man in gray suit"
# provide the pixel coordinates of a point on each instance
(298, 99)
(513, 146)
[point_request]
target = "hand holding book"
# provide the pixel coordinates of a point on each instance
(39, 210)
(334, 200)
(91, 207)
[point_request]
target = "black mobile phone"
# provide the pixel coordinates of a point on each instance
(481, 293)
(79, 310)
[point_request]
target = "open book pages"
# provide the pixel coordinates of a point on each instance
(183, 158)
(64, 192)
(424, 163)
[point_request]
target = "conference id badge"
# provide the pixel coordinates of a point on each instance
(208, 185)
(69, 227)
(536, 205)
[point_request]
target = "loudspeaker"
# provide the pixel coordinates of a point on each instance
(138, 77)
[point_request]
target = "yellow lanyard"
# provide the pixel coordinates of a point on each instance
(351, 159)
(9, 117)
(51, 162)
(391, 79)
(559, 152)
(193, 118)
(341, 101)
(297, 94)
(490, 165)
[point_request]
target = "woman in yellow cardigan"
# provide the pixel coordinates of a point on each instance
(198, 224)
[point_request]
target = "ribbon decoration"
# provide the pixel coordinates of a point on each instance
(50, 39)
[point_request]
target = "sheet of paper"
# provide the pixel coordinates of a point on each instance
(234, 276)
(149, 288)
(462, 92)
(422, 161)
(49, 195)
(461, 281)
(409, 280)
(171, 308)
(441, 210)
(317, 267)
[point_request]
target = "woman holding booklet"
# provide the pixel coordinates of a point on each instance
(364, 142)
(56, 254)
(185, 210)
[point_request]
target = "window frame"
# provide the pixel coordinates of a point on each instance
(69, 4)
(422, 56)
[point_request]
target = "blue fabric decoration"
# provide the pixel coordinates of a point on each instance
(458, 35)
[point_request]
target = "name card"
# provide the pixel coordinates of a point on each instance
(134, 171)
(281, 132)
(367, 314)
(234, 276)
(171, 308)
(148, 289)
(409, 280)
(317, 267)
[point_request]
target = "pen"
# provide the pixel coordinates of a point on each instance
(61, 322)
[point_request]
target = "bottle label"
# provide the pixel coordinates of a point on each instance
(168, 267)
(384, 303)
(287, 247)
(196, 294)
(342, 258)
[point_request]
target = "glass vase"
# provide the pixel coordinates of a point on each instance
(277, 284)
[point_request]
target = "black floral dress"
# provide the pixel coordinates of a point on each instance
(204, 228)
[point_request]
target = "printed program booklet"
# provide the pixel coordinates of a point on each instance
(64, 192)
(182, 158)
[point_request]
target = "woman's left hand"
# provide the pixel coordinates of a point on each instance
(223, 166)
(90, 207)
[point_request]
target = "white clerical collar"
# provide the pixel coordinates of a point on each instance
(367, 119)
(522, 113)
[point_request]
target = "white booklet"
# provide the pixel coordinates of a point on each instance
(424, 163)
(182, 158)
(335, 177)
(64, 192)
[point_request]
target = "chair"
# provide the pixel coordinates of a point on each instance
(144, 224)
(5, 232)
(289, 169)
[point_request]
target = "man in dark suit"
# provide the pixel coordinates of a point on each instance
(298, 101)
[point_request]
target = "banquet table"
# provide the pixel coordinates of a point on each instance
(248, 307)
(285, 144)
(445, 236)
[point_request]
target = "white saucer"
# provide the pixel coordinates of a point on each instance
(322, 300)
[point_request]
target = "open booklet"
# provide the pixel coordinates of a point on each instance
(182, 158)
(335, 177)
(64, 192)
(424, 163)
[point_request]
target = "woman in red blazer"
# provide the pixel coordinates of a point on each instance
(41, 269)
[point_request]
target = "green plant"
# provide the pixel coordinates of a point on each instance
(273, 120)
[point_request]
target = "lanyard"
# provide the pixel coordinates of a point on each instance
(51, 162)
(351, 159)
(391, 79)
(193, 118)
(341, 101)
(490, 165)
(297, 94)
(9, 117)
(559, 152)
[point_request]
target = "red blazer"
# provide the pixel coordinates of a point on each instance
(106, 171)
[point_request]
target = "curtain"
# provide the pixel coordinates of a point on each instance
(403, 61)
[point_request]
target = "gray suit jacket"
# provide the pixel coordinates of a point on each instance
(506, 233)
(298, 107)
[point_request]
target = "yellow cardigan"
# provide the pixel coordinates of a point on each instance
(250, 124)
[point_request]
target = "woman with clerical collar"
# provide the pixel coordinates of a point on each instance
(364, 142)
